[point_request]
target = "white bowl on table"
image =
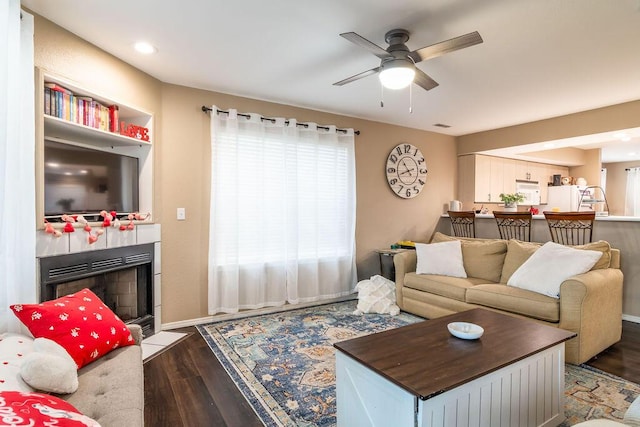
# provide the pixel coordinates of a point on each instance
(466, 331)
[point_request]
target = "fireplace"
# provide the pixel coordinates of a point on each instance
(122, 277)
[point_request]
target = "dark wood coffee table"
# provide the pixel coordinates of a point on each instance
(421, 375)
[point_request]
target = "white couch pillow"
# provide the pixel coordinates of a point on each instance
(50, 368)
(551, 265)
(443, 258)
(377, 295)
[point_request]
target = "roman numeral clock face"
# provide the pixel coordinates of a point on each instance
(406, 171)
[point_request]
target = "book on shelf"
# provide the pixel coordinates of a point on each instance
(57, 87)
(84, 104)
(64, 104)
(47, 100)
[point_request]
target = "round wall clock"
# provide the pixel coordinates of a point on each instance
(406, 170)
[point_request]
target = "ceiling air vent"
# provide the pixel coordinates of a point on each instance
(441, 125)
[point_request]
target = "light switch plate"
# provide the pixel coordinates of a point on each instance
(181, 214)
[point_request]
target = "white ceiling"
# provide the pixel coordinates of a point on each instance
(539, 59)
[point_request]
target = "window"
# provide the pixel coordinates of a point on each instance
(282, 207)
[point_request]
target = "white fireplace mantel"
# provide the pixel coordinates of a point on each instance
(48, 245)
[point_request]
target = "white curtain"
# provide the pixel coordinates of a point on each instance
(17, 170)
(283, 200)
(632, 197)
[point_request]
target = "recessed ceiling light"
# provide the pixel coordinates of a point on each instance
(633, 153)
(144, 47)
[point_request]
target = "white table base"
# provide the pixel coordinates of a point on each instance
(529, 392)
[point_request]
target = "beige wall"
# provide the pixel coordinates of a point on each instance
(590, 170)
(617, 185)
(182, 173)
(381, 218)
(616, 117)
(67, 55)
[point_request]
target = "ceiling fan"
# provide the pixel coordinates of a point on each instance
(397, 64)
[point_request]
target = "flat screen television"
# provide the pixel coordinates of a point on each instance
(80, 180)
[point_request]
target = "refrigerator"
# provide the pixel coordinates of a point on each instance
(565, 198)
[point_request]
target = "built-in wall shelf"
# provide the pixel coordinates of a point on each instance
(71, 131)
(65, 131)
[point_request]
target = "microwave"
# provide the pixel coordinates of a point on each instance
(530, 190)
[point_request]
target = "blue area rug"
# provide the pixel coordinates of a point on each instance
(284, 365)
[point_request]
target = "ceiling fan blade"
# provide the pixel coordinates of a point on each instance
(424, 81)
(446, 46)
(357, 77)
(366, 44)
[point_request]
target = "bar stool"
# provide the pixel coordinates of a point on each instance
(463, 223)
(570, 228)
(514, 225)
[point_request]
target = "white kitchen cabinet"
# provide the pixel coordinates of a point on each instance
(530, 171)
(482, 178)
(509, 176)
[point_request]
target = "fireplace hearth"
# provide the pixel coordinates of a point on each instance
(122, 277)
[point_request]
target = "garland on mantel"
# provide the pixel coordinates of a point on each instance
(109, 219)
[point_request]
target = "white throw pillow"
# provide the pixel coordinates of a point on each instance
(50, 368)
(443, 258)
(377, 295)
(551, 265)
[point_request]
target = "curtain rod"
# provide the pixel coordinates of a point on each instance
(269, 119)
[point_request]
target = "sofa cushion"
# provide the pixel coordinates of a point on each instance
(111, 389)
(600, 246)
(518, 252)
(482, 258)
(13, 349)
(515, 300)
(551, 265)
(446, 286)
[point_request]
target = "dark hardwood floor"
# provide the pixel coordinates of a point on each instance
(187, 386)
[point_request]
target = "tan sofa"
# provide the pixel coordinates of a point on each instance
(111, 389)
(590, 304)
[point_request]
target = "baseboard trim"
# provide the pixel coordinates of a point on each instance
(630, 318)
(270, 310)
(249, 313)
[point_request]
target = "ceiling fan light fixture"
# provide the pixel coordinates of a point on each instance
(397, 74)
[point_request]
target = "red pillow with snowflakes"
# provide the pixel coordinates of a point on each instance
(79, 322)
(37, 409)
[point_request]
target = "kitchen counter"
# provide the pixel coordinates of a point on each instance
(622, 232)
(540, 216)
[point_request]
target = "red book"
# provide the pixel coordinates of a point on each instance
(57, 87)
(113, 118)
